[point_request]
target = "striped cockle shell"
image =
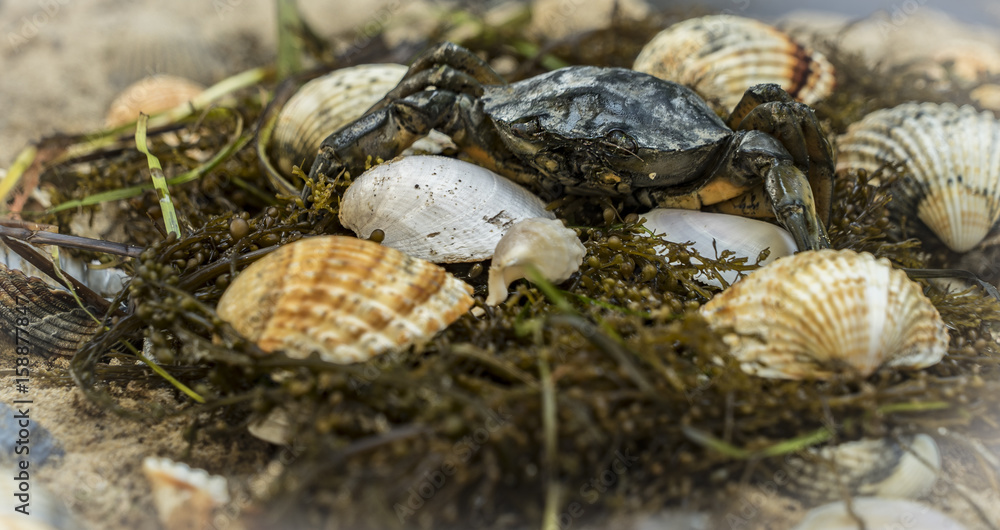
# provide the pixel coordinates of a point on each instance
(150, 95)
(951, 165)
(816, 313)
(437, 208)
(712, 233)
(721, 56)
(347, 299)
(545, 244)
(879, 467)
(184, 497)
(877, 513)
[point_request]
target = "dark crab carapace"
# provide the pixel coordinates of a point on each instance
(607, 131)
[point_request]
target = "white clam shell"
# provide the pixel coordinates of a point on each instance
(720, 56)
(436, 208)
(712, 233)
(815, 313)
(880, 467)
(150, 95)
(554, 250)
(185, 497)
(330, 102)
(951, 161)
(877, 513)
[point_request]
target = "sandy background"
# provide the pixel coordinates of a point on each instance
(62, 61)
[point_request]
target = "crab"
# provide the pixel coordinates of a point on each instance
(606, 131)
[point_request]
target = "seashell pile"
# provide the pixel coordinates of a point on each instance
(554, 250)
(150, 95)
(347, 299)
(720, 56)
(816, 313)
(436, 208)
(185, 497)
(878, 467)
(951, 165)
(712, 233)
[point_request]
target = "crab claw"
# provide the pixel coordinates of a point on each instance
(792, 200)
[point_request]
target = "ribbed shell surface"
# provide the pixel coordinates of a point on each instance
(150, 95)
(720, 56)
(815, 313)
(437, 208)
(326, 104)
(951, 159)
(346, 298)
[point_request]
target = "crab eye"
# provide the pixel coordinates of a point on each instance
(526, 127)
(619, 139)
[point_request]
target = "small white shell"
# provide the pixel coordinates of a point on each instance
(184, 497)
(877, 513)
(951, 161)
(554, 250)
(878, 467)
(720, 56)
(150, 95)
(712, 233)
(815, 313)
(436, 208)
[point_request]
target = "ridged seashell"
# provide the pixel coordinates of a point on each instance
(877, 513)
(185, 497)
(815, 313)
(437, 208)
(347, 299)
(52, 318)
(554, 250)
(324, 105)
(150, 95)
(721, 56)
(712, 233)
(871, 467)
(951, 161)
(158, 41)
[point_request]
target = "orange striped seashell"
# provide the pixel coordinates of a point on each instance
(347, 299)
(721, 56)
(150, 95)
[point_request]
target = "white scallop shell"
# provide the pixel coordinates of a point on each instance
(819, 312)
(877, 513)
(436, 208)
(185, 497)
(712, 233)
(554, 250)
(879, 467)
(720, 56)
(951, 160)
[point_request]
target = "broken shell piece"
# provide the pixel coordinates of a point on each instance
(721, 56)
(951, 165)
(554, 250)
(347, 299)
(879, 467)
(150, 95)
(713, 233)
(816, 313)
(184, 497)
(877, 513)
(436, 208)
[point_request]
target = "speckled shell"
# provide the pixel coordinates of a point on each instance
(184, 497)
(720, 56)
(747, 238)
(554, 250)
(345, 298)
(326, 104)
(880, 467)
(815, 313)
(951, 160)
(150, 95)
(437, 208)
(877, 513)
